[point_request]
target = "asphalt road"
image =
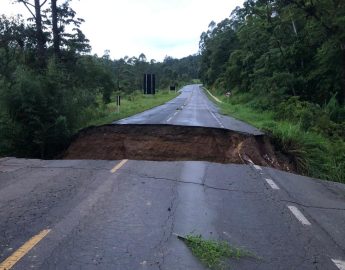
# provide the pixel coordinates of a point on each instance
(123, 214)
(190, 108)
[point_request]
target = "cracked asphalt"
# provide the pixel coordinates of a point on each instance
(127, 219)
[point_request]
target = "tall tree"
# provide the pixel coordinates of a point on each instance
(35, 9)
(55, 28)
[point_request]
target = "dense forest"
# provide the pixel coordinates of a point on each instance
(286, 58)
(50, 83)
(279, 48)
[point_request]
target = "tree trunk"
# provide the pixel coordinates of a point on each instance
(56, 34)
(342, 46)
(39, 34)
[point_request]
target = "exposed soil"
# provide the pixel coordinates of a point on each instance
(174, 143)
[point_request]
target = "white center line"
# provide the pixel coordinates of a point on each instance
(272, 184)
(298, 214)
(257, 167)
(340, 264)
(118, 166)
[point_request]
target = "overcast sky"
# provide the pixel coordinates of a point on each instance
(154, 27)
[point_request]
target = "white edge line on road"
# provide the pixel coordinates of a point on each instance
(169, 119)
(118, 166)
(298, 214)
(257, 167)
(215, 98)
(250, 161)
(215, 117)
(340, 264)
(175, 113)
(272, 184)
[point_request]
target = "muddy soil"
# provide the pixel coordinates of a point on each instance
(174, 143)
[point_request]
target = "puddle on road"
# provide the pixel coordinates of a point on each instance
(173, 143)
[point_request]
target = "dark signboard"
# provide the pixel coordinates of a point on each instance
(149, 84)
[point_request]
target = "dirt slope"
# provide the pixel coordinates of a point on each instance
(171, 143)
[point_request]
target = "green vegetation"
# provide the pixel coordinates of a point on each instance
(312, 150)
(284, 63)
(50, 85)
(213, 253)
(130, 105)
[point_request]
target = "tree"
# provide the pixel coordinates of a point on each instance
(279, 48)
(55, 28)
(35, 10)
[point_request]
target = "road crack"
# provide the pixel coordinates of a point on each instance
(169, 224)
(313, 206)
(204, 185)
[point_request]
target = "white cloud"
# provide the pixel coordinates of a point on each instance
(154, 27)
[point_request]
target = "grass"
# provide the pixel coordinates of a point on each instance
(211, 253)
(130, 105)
(314, 154)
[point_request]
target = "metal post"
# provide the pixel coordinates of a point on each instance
(118, 103)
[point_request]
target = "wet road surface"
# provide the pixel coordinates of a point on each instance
(190, 108)
(123, 214)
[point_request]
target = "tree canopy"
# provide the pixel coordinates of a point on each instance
(279, 48)
(49, 81)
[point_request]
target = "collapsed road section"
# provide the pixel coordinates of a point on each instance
(173, 143)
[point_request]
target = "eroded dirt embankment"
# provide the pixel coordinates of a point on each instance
(173, 143)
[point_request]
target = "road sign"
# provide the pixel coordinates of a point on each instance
(149, 84)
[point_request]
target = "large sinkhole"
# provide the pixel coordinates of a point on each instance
(173, 143)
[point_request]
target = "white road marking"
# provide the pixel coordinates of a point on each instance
(272, 184)
(340, 264)
(171, 117)
(250, 161)
(118, 166)
(215, 117)
(298, 214)
(257, 167)
(215, 98)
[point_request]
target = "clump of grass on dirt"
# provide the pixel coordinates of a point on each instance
(212, 253)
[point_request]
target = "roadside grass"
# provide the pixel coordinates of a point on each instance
(213, 254)
(314, 154)
(130, 105)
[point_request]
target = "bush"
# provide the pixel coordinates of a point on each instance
(301, 130)
(312, 117)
